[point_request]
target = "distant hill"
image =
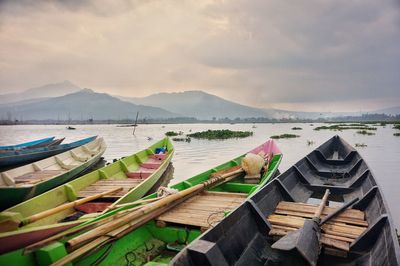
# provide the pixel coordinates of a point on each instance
(46, 91)
(198, 104)
(83, 104)
(388, 111)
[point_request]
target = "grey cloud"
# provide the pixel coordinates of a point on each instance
(260, 51)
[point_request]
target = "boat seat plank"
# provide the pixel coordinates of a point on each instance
(107, 184)
(337, 234)
(203, 210)
(310, 208)
(37, 176)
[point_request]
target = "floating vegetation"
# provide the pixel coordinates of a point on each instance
(310, 142)
(396, 134)
(341, 127)
(285, 136)
(185, 139)
(365, 132)
(220, 134)
(297, 128)
(361, 145)
(396, 126)
(171, 133)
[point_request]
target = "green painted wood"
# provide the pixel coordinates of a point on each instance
(150, 241)
(66, 193)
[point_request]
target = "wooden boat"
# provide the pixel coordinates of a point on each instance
(21, 157)
(53, 142)
(362, 235)
(27, 144)
(157, 241)
(136, 174)
(25, 182)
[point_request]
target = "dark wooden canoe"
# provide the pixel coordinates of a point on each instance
(363, 235)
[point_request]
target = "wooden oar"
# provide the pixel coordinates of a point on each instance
(12, 225)
(98, 236)
(306, 240)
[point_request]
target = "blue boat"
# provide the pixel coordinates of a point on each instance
(14, 158)
(27, 144)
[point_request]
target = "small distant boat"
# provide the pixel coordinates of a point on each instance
(71, 128)
(22, 183)
(135, 175)
(24, 145)
(13, 158)
(361, 235)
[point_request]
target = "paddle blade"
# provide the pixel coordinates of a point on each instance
(303, 242)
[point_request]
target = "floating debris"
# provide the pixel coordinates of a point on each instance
(187, 139)
(310, 142)
(396, 134)
(362, 145)
(297, 128)
(365, 132)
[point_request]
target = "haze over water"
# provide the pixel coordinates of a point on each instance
(381, 154)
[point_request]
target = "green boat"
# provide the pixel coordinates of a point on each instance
(157, 241)
(133, 176)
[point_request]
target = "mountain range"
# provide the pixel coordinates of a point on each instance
(67, 101)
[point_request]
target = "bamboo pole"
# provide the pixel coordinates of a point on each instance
(44, 214)
(149, 208)
(67, 232)
(113, 206)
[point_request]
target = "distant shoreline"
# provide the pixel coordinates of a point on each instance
(161, 122)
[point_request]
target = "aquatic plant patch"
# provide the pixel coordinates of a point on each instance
(220, 134)
(285, 136)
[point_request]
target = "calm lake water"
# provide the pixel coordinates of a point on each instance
(382, 152)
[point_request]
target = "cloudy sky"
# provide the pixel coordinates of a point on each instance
(313, 55)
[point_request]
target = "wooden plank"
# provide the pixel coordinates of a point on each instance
(310, 215)
(207, 200)
(310, 208)
(203, 209)
(331, 228)
(288, 229)
(325, 240)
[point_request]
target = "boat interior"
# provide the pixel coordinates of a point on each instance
(362, 235)
(159, 240)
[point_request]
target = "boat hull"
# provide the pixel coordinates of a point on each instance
(336, 166)
(27, 144)
(14, 158)
(59, 195)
